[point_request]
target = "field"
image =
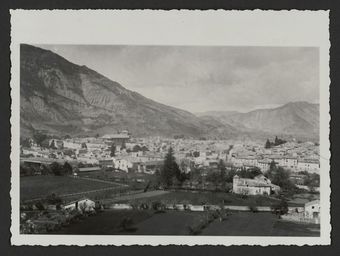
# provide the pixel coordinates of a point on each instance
(33, 187)
(260, 224)
(187, 197)
(121, 177)
(177, 222)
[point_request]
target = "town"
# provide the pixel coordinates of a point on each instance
(65, 178)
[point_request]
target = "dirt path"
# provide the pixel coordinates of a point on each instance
(102, 181)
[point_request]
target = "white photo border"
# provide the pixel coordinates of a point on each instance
(175, 27)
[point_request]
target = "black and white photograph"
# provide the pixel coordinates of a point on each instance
(224, 141)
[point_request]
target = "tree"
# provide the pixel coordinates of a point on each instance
(113, 150)
(170, 168)
(196, 154)
(230, 175)
(312, 181)
(45, 170)
(39, 137)
(53, 145)
(222, 168)
(282, 207)
(56, 169)
(67, 168)
(280, 177)
(144, 149)
(268, 144)
(215, 178)
(25, 142)
(53, 199)
(123, 145)
(83, 145)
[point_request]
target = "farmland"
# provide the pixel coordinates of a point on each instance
(190, 197)
(33, 187)
(177, 222)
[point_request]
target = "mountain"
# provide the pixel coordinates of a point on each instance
(294, 118)
(63, 98)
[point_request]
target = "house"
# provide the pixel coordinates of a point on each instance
(312, 209)
(119, 139)
(106, 162)
(264, 165)
(122, 164)
(71, 145)
(244, 160)
(83, 205)
(260, 185)
(309, 165)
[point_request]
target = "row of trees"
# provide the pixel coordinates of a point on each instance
(276, 142)
(52, 169)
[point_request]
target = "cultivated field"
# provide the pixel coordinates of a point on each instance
(33, 187)
(216, 198)
(259, 224)
(177, 222)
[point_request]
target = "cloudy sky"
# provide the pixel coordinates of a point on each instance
(203, 78)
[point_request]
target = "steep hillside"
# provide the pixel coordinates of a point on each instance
(64, 98)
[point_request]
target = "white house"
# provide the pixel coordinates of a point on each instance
(312, 209)
(122, 164)
(71, 145)
(260, 185)
(310, 165)
(84, 205)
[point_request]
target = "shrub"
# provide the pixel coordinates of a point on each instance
(40, 206)
(158, 207)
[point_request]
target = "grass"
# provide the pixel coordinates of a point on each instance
(177, 223)
(106, 223)
(259, 224)
(216, 198)
(40, 186)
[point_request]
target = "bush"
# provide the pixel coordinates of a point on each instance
(158, 207)
(126, 225)
(40, 206)
(53, 199)
(253, 208)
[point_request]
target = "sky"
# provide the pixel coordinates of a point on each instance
(206, 78)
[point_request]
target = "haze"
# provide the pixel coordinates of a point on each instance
(203, 78)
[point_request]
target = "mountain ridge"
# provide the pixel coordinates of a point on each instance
(64, 98)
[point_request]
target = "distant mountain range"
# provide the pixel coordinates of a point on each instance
(63, 98)
(294, 118)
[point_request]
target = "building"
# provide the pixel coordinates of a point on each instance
(260, 185)
(312, 209)
(83, 205)
(106, 162)
(122, 164)
(71, 145)
(119, 139)
(240, 161)
(309, 165)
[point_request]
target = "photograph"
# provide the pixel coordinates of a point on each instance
(170, 140)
